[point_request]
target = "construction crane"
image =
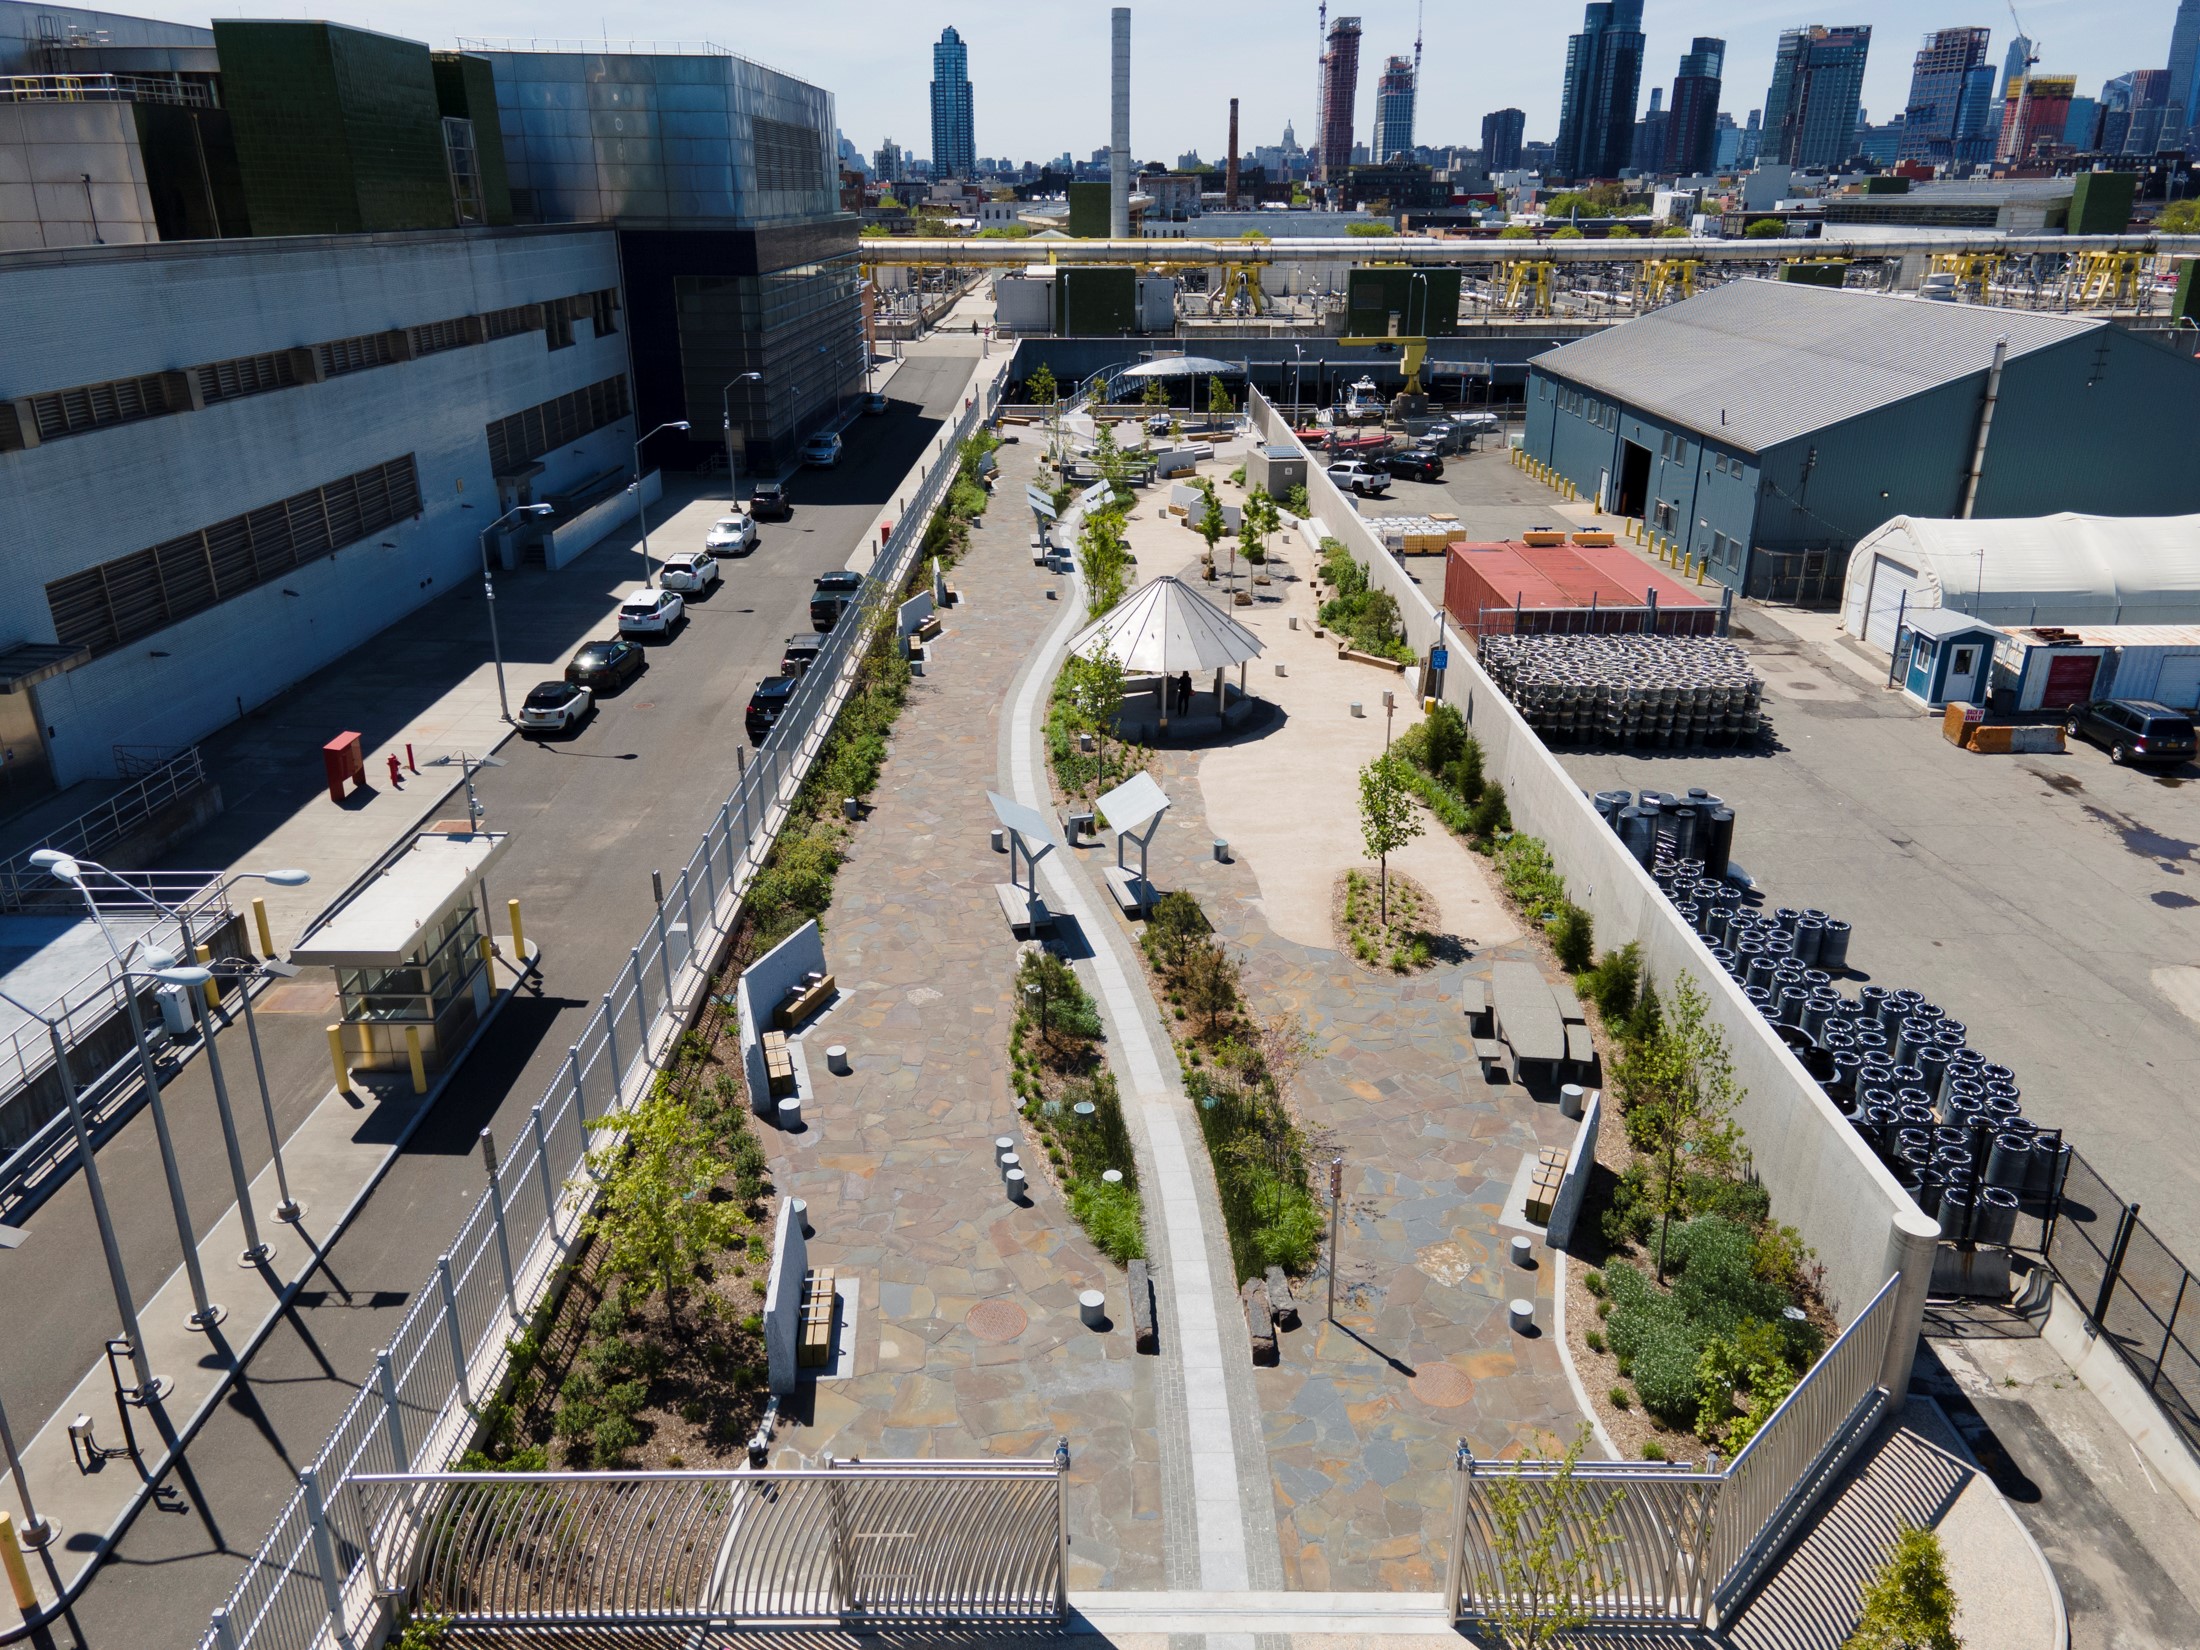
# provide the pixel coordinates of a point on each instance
(2024, 83)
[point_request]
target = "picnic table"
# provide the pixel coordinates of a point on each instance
(1527, 1014)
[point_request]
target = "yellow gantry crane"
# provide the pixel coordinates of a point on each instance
(1661, 280)
(2106, 280)
(1528, 286)
(1974, 271)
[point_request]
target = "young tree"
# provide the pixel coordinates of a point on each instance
(1550, 1540)
(1041, 387)
(1096, 691)
(1157, 393)
(656, 1216)
(1218, 398)
(1210, 525)
(1388, 817)
(1105, 559)
(1209, 981)
(1910, 1604)
(1677, 1085)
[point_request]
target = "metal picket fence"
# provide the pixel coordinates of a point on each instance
(414, 1414)
(1685, 1545)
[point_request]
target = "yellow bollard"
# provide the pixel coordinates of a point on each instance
(212, 990)
(19, 1573)
(336, 1058)
(488, 949)
(267, 935)
(419, 1065)
(519, 934)
(1700, 566)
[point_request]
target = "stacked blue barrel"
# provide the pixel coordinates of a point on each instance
(1946, 1121)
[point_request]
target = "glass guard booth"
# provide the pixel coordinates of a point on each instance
(411, 951)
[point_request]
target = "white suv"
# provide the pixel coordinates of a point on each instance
(822, 451)
(693, 570)
(650, 613)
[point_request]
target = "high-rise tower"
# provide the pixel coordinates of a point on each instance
(1340, 91)
(1596, 117)
(1394, 95)
(1817, 86)
(1692, 125)
(2184, 74)
(954, 128)
(1119, 129)
(1950, 116)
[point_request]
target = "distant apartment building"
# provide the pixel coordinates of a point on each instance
(1340, 89)
(1502, 133)
(1817, 87)
(1649, 145)
(1692, 122)
(1394, 95)
(1950, 117)
(954, 119)
(1596, 119)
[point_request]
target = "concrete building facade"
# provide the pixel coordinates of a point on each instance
(265, 452)
(1764, 427)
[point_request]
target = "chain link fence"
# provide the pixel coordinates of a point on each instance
(414, 1413)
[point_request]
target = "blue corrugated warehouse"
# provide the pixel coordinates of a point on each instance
(1767, 426)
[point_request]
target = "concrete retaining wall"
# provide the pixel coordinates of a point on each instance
(783, 1298)
(1823, 1179)
(1581, 1165)
(594, 524)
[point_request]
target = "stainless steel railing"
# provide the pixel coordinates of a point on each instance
(1678, 1545)
(411, 1412)
(876, 1542)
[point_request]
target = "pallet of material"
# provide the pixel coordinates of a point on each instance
(816, 1347)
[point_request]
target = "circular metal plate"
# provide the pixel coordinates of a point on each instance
(1443, 1386)
(997, 1320)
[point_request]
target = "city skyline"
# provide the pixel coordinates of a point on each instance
(876, 58)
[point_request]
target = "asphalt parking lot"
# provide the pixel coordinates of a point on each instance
(2050, 903)
(591, 815)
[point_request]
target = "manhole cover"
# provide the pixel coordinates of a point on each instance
(1442, 1385)
(997, 1320)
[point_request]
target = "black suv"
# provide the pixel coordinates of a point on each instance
(834, 594)
(2134, 730)
(1415, 466)
(767, 704)
(769, 502)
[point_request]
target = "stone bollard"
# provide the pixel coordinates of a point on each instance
(1522, 1314)
(1222, 851)
(1358, 710)
(799, 1208)
(836, 1060)
(1092, 1306)
(790, 1115)
(1280, 670)
(1570, 1100)
(1010, 1163)
(1523, 1253)
(1016, 1191)
(1000, 840)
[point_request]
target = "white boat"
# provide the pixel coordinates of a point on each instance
(1363, 402)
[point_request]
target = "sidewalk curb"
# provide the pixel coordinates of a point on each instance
(244, 1350)
(2047, 1570)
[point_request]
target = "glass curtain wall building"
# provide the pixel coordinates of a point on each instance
(1596, 119)
(1950, 118)
(1394, 94)
(720, 176)
(1817, 88)
(954, 114)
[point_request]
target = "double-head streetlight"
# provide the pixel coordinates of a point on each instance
(149, 1385)
(641, 508)
(37, 1530)
(489, 590)
(725, 396)
(161, 966)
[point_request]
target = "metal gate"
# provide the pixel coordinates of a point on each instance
(871, 1542)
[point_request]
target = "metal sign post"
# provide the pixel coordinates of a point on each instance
(1336, 1207)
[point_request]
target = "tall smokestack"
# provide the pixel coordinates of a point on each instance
(1229, 182)
(1119, 140)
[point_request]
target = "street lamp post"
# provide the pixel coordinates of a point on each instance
(249, 968)
(149, 1384)
(37, 1531)
(641, 509)
(257, 1252)
(206, 1313)
(725, 396)
(489, 590)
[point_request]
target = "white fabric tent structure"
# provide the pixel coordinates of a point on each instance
(2057, 570)
(1166, 628)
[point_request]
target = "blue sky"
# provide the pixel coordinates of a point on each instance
(1040, 66)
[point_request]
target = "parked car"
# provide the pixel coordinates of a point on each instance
(1418, 465)
(769, 502)
(834, 595)
(731, 535)
(802, 652)
(650, 613)
(2134, 730)
(766, 705)
(555, 707)
(1365, 479)
(611, 663)
(692, 570)
(822, 450)
(874, 402)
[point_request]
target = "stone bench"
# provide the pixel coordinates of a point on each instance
(802, 1002)
(1492, 1054)
(1581, 1051)
(1474, 998)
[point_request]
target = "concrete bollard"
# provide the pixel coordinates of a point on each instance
(799, 1208)
(1522, 1314)
(1523, 1253)
(1359, 711)
(1294, 621)
(1280, 671)
(790, 1115)
(1092, 1306)
(1010, 1163)
(1222, 851)
(1014, 1180)
(836, 1060)
(1000, 840)
(1570, 1100)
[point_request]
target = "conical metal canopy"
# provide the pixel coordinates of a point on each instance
(1166, 628)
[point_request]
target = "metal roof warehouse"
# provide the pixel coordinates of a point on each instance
(1766, 426)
